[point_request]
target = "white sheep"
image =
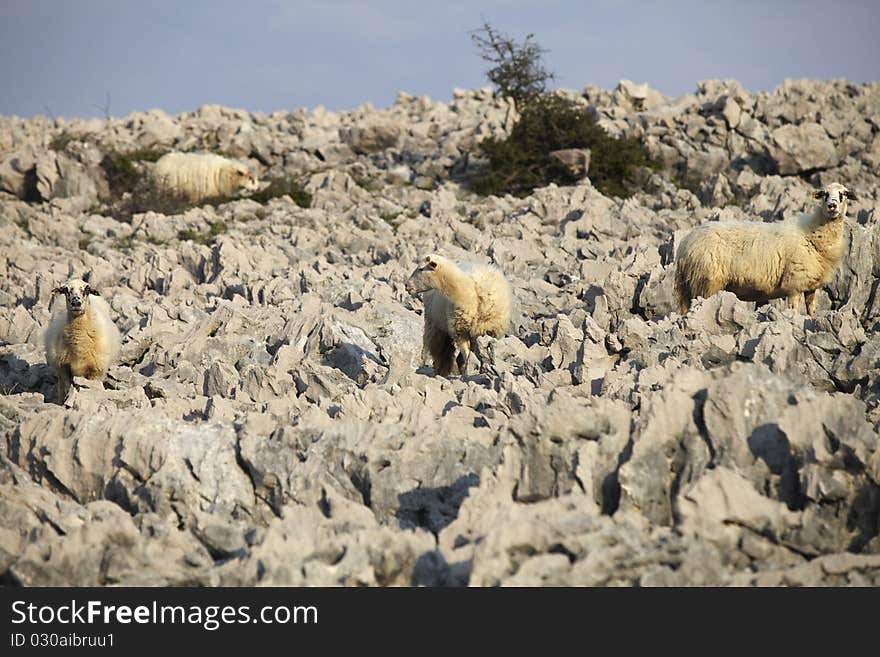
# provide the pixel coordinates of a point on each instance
(760, 261)
(81, 339)
(197, 176)
(461, 304)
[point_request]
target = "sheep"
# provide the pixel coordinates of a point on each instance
(81, 339)
(461, 304)
(760, 261)
(197, 176)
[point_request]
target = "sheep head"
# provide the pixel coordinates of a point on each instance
(245, 180)
(76, 293)
(424, 278)
(835, 198)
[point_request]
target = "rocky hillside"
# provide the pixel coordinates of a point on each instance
(271, 421)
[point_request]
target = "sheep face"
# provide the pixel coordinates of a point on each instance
(247, 182)
(835, 197)
(423, 278)
(77, 293)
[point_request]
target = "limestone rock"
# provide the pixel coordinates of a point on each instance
(801, 148)
(272, 419)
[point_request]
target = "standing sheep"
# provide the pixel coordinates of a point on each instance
(197, 176)
(759, 261)
(461, 304)
(81, 339)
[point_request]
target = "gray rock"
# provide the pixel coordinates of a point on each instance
(576, 159)
(804, 147)
(371, 138)
(271, 419)
(731, 112)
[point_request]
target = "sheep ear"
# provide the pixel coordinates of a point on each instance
(818, 193)
(431, 264)
(92, 290)
(57, 291)
(851, 195)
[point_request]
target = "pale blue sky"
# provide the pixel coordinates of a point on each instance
(63, 57)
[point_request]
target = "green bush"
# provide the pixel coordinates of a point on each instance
(59, 142)
(284, 187)
(521, 162)
(122, 174)
(208, 237)
(548, 122)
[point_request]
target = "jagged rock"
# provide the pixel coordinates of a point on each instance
(576, 159)
(800, 148)
(47, 541)
(371, 138)
(273, 420)
(640, 97)
(732, 112)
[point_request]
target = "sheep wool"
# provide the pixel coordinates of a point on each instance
(761, 261)
(81, 339)
(197, 176)
(461, 304)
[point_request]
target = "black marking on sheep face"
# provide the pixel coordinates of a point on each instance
(247, 182)
(76, 294)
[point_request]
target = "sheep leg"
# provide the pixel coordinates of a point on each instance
(810, 300)
(702, 287)
(794, 301)
(65, 378)
(426, 344)
(683, 294)
(464, 351)
(442, 351)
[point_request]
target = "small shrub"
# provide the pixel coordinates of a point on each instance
(60, 142)
(146, 197)
(284, 187)
(687, 181)
(522, 161)
(208, 237)
(218, 228)
(517, 70)
(121, 170)
(189, 235)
